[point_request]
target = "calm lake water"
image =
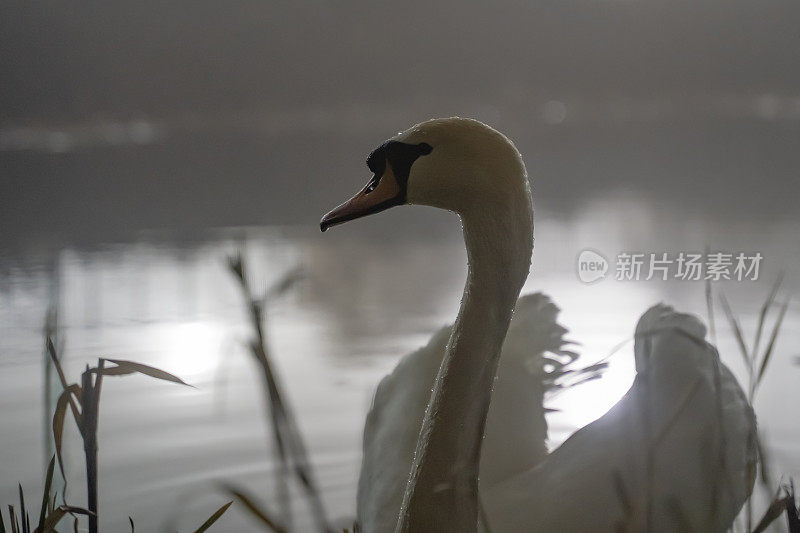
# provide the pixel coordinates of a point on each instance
(363, 303)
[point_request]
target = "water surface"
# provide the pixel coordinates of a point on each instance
(363, 303)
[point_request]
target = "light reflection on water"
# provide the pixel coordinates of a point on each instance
(362, 305)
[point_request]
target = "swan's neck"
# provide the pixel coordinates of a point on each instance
(442, 491)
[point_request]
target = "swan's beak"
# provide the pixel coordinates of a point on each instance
(380, 193)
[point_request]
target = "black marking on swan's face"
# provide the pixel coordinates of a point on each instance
(399, 156)
(390, 164)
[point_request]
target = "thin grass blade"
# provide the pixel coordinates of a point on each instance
(772, 513)
(771, 345)
(710, 310)
(583, 379)
(22, 511)
(792, 511)
(147, 370)
(60, 512)
(51, 349)
(762, 316)
(58, 423)
(133, 528)
(48, 482)
(286, 282)
(254, 508)
(213, 518)
(737, 330)
(117, 371)
(12, 519)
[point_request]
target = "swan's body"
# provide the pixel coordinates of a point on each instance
(466, 167)
(577, 487)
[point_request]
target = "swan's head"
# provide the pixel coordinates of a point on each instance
(456, 164)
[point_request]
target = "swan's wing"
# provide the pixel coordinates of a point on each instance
(516, 429)
(390, 434)
(703, 454)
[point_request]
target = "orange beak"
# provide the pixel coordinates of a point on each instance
(380, 193)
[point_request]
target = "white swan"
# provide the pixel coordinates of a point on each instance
(463, 166)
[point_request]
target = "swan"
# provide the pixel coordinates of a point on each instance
(466, 167)
(463, 166)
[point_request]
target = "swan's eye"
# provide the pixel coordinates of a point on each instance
(373, 183)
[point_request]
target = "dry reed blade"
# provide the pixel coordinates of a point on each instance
(128, 367)
(772, 513)
(255, 509)
(289, 444)
(87, 420)
(285, 283)
(792, 511)
(50, 332)
(213, 518)
(91, 408)
(749, 365)
(60, 512)
(46, 495)
(51, 349)
(771, 345)
(12, 519)
(737, 331)
(22, 512)
(64, 385)
(58, 422)
(710, 310)
(762, 316)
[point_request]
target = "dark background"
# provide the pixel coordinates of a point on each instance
(125, 116)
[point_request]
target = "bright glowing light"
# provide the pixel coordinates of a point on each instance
(586, 403)
(191, 348)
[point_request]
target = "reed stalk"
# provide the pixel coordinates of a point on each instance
(83, 401)
(289, 445)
